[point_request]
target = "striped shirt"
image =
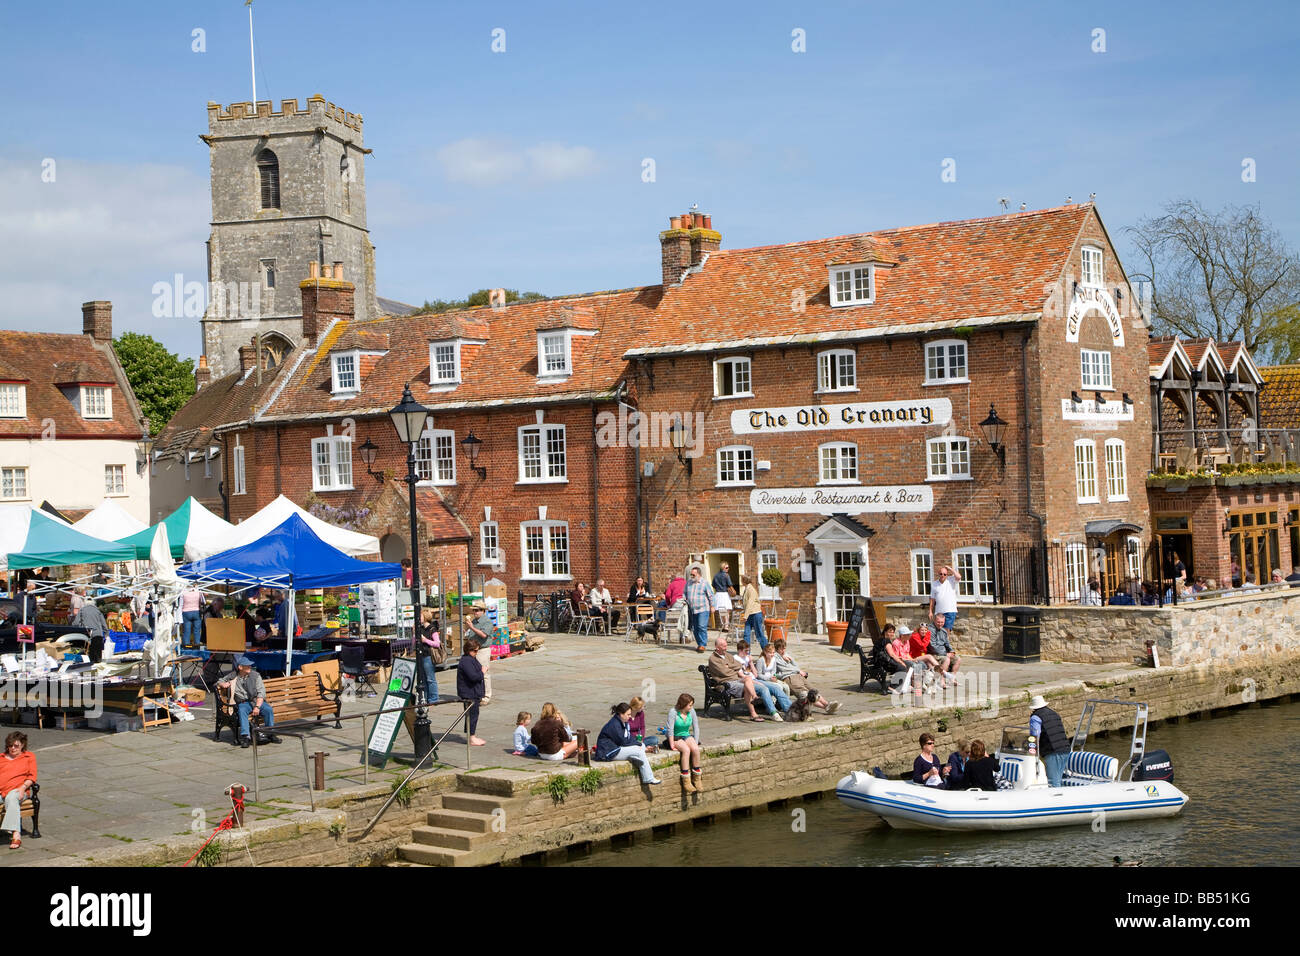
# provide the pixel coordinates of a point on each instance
(697, 596)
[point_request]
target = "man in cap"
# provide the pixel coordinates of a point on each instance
(1053, 742)
(477, 627)
(249, 694)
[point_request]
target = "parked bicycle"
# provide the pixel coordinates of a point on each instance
(539, 614)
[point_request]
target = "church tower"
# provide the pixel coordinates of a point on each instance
(288, 188)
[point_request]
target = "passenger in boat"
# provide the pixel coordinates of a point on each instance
(927, 769)
(1053, 742)
(981, 769)
(957, 761)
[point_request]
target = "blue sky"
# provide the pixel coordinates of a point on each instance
(524, 168)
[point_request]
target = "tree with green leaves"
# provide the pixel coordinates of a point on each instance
(1228, 275)
(162, 382)
(476, 299)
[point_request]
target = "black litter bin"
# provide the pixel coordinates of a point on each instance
(1021, 634)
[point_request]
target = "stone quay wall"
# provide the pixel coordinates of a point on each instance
(1216, 629)
(810, 758)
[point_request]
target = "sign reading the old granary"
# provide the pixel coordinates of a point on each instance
(850, 500)
(1091, 299)
(801, 418)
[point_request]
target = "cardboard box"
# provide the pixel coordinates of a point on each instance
(192, 695)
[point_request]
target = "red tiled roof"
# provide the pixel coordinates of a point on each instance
(947, 272)
(1279, 400)
(442, 524)
(228, 400)
(48, 359)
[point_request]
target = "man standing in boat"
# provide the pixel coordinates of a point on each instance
(1053, 742)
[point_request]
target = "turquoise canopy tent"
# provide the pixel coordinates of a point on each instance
(190, 524)
(31, 538)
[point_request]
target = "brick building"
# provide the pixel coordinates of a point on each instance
(834, 391)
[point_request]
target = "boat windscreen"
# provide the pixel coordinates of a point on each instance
(1015, 740)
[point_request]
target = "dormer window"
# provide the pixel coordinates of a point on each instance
(444, 363)
(96, 402)
(852, 284)
(553, 355)
(1091, 270)
(13, 401)
(347, 381)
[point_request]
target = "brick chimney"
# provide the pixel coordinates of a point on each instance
(687, 240)
(247, 357)
(202, 374)
(325, 298)
(97, 320)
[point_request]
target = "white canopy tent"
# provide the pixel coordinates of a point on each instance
(254, 527)
(109, 521)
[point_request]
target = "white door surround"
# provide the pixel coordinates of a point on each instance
(837, 533)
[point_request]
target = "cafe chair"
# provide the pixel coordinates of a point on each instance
(353, 665)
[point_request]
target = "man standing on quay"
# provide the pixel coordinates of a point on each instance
(698, 607)
(943, 596)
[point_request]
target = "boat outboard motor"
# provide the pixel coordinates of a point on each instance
(1155, 765)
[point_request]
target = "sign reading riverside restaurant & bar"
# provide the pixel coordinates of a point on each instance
(1088, 410)
(801, 418)
(848, 499)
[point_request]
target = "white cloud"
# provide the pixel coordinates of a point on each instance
(481, 162)
(99, 231)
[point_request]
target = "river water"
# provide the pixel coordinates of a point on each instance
(1238, 770)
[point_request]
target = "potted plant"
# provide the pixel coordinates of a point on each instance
(772, 578)
(846, 582)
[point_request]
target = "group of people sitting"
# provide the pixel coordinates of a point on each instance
(921, 655)
(773, 678)
(1131, 593)
(598, 602)
(969, 767)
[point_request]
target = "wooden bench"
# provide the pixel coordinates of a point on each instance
(871, 666)
(291, 698)
(716, 693)
(31, 807)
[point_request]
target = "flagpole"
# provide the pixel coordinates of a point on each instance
(252, 64)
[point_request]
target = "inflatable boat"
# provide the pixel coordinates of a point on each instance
(1097, 790)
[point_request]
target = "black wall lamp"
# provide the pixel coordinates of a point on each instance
(994, 428)
(472, 446)
(1127, 400)
(1101, 399)
(1075, 399)
(368, 452)
(677, 435)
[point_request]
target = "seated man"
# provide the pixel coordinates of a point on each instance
(249, 695)
(725, 669)
(941, 650)
(674, 594)
(601, 604)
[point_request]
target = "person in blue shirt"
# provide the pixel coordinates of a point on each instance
(1053, 742)
(957, 761)
(617, 743)
(1122, 597)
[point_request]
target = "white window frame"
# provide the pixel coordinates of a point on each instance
(1133, 558)
(1116, 471)
(848, 282)
(86, 391)
(830, 365)
(337, 387)
(1101, 380)
(736, 361)
(843, 451)
(548, 472)
(489, 556)
(13, 477)
(1085, 472)
(112, 488)
(967, 587)
(947, 364)
(1086, 276)
(426, 457)
(434, 377)
(338, 463)
(1076, 571)
(237, 467)
(922, 580)
(549, 570)
(566, 340)
(737, 454)
(950, 444)
(19, 402)
(767, 559)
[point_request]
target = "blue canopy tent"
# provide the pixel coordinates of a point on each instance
(293, 557)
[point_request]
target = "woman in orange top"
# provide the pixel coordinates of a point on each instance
(17, 774)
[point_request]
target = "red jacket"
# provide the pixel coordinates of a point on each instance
(14, 771)
(920, 642)
(676, 590)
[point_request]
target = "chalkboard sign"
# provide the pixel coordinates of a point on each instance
(863, 614)
(400, 693)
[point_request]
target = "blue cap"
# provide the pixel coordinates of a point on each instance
(243, 660)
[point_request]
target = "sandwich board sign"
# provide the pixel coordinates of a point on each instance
(399, 693)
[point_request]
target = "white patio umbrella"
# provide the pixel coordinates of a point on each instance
(167, 587)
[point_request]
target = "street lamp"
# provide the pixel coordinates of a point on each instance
(993, 428)
(677, 436)
(144, 448)
(368, 452)
(410, 419)
(472, 446)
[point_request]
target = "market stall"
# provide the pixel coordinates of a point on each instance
(192, 532)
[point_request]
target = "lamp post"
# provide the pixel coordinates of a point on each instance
(410, 418)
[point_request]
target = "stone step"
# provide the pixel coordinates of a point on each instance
(472, 802)
(454, 839)
(418, 854)
(460, 820)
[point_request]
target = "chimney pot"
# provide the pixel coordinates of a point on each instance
(313, 270)
(202, 374)
(675, 222)
(708, 222)
(338, 270)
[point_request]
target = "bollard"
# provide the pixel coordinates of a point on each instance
(584, 752)
(320, 756)
(236, 793)
(555, 612)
